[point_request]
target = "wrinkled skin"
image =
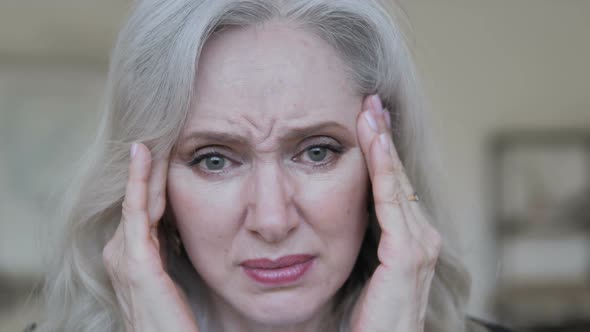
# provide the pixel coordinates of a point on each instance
(285, 182)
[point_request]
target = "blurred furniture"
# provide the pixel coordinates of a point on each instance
(541, 205)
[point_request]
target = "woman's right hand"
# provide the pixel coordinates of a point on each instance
(148, 298)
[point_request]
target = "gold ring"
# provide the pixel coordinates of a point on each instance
(414, 197)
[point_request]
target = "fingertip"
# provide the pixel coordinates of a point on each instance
(367, 103)
(133, 150)
(136, 149)
(387, 116)
(137, 178)
(139, 153)
(365, 130)
(140, 163)
(377, 104)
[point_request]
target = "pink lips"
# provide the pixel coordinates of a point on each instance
(279, 272)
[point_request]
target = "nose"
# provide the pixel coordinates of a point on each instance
(271, 212)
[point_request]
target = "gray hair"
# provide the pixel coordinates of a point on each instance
(149, 93)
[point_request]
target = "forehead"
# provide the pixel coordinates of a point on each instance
(271, 74)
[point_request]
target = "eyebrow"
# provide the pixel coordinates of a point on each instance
(236, 139)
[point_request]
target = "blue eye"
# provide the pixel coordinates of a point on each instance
(317, 153)
(211, 162)
(320, 155)
(214, 163)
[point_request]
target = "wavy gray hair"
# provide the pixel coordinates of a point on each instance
(150, 85)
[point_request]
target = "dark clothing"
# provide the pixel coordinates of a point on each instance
(489, 326)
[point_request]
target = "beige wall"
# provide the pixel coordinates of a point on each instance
(492, 65)
(487, 65)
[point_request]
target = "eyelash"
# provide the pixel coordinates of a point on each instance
(199, 158)
(337, 150)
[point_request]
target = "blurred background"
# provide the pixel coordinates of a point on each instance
(509, 86)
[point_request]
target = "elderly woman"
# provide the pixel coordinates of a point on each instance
(257, 169)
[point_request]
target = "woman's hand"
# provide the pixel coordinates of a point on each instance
(148, 298)
(396, 297)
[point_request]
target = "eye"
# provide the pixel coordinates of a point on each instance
(212, 162)
(317, 153)
(320, 154)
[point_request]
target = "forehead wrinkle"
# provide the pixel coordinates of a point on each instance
(266, 133)
(269, 132)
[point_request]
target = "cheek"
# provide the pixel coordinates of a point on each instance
(337, 202)
(195, 205)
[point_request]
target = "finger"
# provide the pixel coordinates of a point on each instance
(387, 195)
(372, 121)
(390, 182)
(157, 190)
(399, 169)
(367, 130)
(417, 220)
(380, 113)
(419, 224)
(384, 120)
(428, 236)
(113, 251)
(404, 181)
(373, 136)
(135, 214)
(422, 231)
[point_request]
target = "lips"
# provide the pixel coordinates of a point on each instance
(285, 261)
(279, 272)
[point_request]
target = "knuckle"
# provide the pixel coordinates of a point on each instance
(128, 210)
(108, 259)
(388, 197)
(418, 252)
(431, 259)
(414, 267)
(434, 244)
(158, 194)
(387, 174)
(423, 257)
(398, 197)
(415, 259)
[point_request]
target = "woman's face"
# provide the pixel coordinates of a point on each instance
(268, 185)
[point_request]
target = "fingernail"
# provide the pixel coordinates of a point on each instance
(370, 120)
(377, 103)
(384, 140)
(133, 150)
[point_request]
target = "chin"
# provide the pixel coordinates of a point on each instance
(285, 316)
(282, 308)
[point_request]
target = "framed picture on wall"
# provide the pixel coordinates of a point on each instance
(540, 186)
(541, 180)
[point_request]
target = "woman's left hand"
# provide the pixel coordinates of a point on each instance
(396, 296)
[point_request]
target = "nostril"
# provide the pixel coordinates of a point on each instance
(272, 223)
(270, 211)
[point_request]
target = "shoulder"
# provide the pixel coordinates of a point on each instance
(492, 327)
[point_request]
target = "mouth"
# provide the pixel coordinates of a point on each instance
(280, 272)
